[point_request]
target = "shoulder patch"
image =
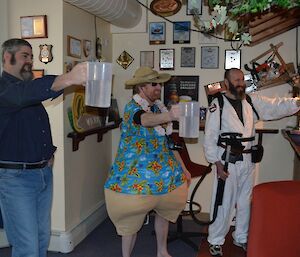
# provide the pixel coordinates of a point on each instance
(212, 107)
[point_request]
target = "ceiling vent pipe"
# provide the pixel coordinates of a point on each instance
(121, 13)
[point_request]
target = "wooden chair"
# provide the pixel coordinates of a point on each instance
(196, 170)
(275, 220)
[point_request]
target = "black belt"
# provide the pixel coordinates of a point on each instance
(244, 151)
(21, 166)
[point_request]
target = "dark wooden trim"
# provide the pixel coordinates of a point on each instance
(80, 136)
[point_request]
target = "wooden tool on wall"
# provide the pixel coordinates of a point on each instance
(262, 71)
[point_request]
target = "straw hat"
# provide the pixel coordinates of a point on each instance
(147, 75)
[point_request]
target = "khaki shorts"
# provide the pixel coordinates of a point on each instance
(128, 212)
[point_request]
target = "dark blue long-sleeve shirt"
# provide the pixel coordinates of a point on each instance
(25, 134)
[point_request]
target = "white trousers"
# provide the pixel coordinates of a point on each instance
(237, 194)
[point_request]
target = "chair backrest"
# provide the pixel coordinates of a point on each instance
(196, 170)
(274, 229)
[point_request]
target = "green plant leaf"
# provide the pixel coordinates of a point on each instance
(233, 26)
(246, 38)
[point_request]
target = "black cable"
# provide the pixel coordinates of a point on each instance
(237, 48)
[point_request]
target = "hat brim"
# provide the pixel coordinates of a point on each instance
(162, 77)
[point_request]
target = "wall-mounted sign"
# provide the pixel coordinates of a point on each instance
(46, 53)
(181, 88)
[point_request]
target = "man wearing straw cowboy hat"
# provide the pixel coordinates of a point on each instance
(148, 173)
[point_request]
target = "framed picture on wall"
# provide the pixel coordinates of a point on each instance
(193, 7)
(167, 59)
(147, 58)
(181, 32)
(232, 59)
(74, 47)
(157, 33)
(34, 26)
(188, 56)
(209, 57)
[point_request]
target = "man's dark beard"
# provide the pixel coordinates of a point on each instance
(240, 95)
(26, 72)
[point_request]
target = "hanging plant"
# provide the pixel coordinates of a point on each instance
(234, 16)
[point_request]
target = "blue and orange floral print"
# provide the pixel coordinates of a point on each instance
(144, 164)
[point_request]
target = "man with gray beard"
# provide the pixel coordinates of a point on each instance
(26, 148)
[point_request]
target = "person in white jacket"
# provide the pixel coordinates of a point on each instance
(237, 116)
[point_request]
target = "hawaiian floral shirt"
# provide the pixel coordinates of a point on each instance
(144, 164)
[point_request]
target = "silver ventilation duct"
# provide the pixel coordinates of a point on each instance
(121, 13)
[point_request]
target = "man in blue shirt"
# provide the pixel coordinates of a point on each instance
(26, 148)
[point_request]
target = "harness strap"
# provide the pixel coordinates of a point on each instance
(221, 140)
(244, 151)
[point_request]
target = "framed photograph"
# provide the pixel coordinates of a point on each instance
(188, 56)
(209, 57)
(147, 58)
(74, 47)
(193, 7)
(38, 73)
(232, 59)
(34, 26)
(157, 33)
(181, 32)
(87, 46)
(167, 59)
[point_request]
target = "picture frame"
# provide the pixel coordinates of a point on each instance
(193, 4)
(181, 32)
(147, 58)
(157, 33)
(209, 57)
(74, 47)
(167, 59)
(34, 26)
(38, 73)
(188, 56)
(87, 47)
(232, 59)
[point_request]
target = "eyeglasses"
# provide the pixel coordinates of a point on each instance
(155, 84)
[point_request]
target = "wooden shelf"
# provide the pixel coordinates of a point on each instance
(293, 136)
(79, 136)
